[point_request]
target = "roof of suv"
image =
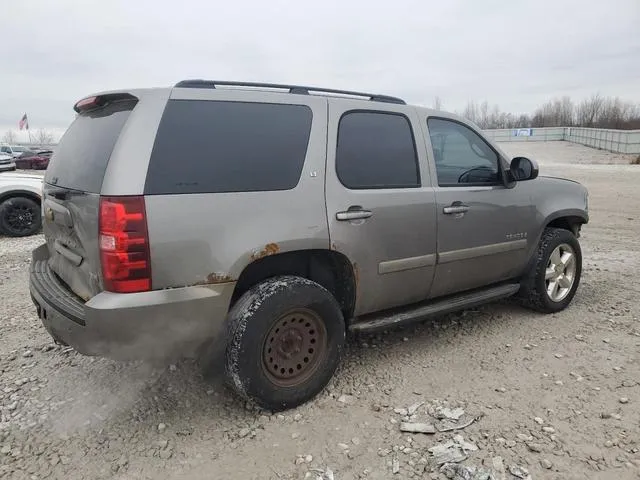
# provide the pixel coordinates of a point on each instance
(276, 89)
(295, 89)
(307, 90)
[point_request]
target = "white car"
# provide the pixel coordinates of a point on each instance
(13, 150)
(6, 163)
(20, 200)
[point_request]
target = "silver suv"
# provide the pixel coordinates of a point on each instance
(296, 214)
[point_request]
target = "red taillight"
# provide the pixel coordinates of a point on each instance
(87, 104)
(124, 245)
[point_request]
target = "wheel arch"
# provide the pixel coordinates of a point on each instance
(20, 194)
(571, 220)
(329, 268)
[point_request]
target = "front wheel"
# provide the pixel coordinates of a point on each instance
(285, 339)
(555, 274)
(20, 217)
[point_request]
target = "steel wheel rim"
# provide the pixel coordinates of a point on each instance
(294, 347)
(20, 218)
(560, 274)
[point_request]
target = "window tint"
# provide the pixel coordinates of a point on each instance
(461, 156)
(213, 146)
(5, 149)
(82, 156)
(376, 150)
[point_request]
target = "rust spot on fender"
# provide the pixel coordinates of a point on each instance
(334, 246)
(215, 278)
(269, 249)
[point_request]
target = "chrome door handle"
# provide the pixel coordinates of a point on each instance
(455, 209)
(353, 215)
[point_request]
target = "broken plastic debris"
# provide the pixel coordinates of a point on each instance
(320, 474)
(459, 426)
(466, 446)
(463, 472)
(395, 465)
(413, 408)
(449, 413)
(452, 451)
(417, 427)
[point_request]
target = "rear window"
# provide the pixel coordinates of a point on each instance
(214, 147)
(83, 153)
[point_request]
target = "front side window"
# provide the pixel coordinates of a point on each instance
(462, 157)
(376, 150)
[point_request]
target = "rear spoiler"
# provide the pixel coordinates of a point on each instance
(99, 101)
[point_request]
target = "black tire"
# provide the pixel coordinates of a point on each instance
(251, 324)
(533, 292)
(20, 217)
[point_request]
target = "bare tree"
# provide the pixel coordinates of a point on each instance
(589, 110)
(471, 112)
(9, 137)
(596, 111)
(437, 103)
(43, 137)
(484, 115)
(566, 111)
(523, 120)
(558, 112)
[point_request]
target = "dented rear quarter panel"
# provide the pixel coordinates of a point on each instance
(207, 238)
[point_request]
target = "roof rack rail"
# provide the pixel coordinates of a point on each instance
(296, 89)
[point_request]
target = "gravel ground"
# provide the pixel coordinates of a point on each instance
(553, 397)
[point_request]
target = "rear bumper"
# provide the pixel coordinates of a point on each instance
(147, 325)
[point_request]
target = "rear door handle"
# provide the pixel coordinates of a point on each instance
(356, 213)
(455, 209)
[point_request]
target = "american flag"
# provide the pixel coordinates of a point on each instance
(24, 122)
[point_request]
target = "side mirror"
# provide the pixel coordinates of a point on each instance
(523, 168)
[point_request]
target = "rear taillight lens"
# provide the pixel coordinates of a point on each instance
(87, 104)
(124, 245)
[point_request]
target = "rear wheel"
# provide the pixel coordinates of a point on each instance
(20, 217)
(554, 277)
(285, 339)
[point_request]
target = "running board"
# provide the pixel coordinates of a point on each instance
(421, 311)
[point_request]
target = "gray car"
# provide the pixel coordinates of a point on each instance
(266, 221)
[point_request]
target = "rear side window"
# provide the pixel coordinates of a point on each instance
(376, 150)
(82, 156)
(214, 147)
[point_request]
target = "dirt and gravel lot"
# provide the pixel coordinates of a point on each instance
(556, 396)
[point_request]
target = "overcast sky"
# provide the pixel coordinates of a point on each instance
(515, 53)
